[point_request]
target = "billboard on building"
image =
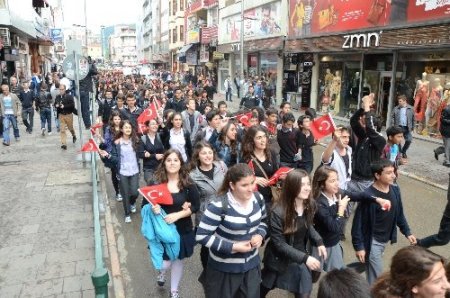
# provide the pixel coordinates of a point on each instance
(56, 36)
(259, 22)
(318, 17)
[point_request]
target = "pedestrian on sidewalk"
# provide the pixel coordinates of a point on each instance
(228, 89)
(107, 141)
(27, 98)
(65, 106)
(124, 156)
(86, 87)
(250, 99)
(403, 116)
(237, 83)
(44, 103)
(233, 228)
(174, 173)
(9, 110)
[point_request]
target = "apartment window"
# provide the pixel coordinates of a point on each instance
(170, 35)
(170, 7)
(174, 35)
(181, 5)
(174, 7)
(181, 32)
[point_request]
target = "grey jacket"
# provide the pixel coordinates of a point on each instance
(187, 124)
(207, 188)
(15, 102)
(395, 117)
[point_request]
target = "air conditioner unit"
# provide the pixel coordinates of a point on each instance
(4, 35)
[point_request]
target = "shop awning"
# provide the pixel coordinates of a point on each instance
(184, 49)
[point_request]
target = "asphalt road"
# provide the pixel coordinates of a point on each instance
(423, 206)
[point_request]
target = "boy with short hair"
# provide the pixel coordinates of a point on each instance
(392, 150)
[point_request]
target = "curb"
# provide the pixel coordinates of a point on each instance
(116, 278)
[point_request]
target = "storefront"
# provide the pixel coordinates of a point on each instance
(381, 58)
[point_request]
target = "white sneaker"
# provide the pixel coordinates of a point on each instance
(127, 219)
(133, 208)
(119, 198)
(43, 132)
(174, 294)
(50, 133)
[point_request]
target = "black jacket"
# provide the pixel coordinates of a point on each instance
(368, 146)
(26, 98)
(177, 105)
(165, 137)
(445, 122)
(104, 109)
(250, 101)
(68, 103)
(86, 83)
(156, 148)
(279, 252)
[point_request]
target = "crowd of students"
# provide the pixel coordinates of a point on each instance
(219, 167)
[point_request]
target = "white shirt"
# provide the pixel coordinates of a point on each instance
(66, 82)
(178, 142)
(244, 210)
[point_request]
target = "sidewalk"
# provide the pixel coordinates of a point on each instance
(422, 166)
(47, 234)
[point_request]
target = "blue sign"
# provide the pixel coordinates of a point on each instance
(56, 35)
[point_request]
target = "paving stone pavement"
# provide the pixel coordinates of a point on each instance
(47, 234)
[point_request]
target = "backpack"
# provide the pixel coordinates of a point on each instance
(224, 201)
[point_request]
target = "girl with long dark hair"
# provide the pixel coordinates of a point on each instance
(176, 137)
(185, 202)
(287, 259)
(227, 146)
(151, 150)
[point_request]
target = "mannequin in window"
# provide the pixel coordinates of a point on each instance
(336, 92)
(433, 103)
(420, 101)
(328, 79)
(354, 90)
(366, 88)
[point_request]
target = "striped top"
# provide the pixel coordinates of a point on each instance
(219, 235)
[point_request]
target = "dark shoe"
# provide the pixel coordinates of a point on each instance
(404, 155)
(74, 139)
(436, 156)
(446, 164)
(64, 147)
(5, 143)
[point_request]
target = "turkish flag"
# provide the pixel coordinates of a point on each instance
(251, 166)
(142, 129)
(157, 194)
(148, 114)
(323, 126)
(281, 171)
(90, 146)
(95, 127)
(244, 118)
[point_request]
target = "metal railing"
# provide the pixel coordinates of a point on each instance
(100, 276)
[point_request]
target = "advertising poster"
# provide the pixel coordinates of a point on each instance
(316, 17)
(259, 22)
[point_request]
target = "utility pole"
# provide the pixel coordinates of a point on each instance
(85, 28)
(242, 38)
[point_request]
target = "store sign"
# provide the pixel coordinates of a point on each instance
(236, 47)
(218, 56)
(363, 40)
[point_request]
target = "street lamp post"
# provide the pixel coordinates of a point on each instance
(86, 29)
(242, 38)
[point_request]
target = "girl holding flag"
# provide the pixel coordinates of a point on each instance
(185, 197)
(255, 149)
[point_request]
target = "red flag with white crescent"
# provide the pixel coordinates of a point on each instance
(95, 127)
(244, 118)
(157, 194)
(323, 126)
(148, 114)
(276, 176)
(90, 146)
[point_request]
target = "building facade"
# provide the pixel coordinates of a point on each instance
(122, 45)
(25, 45)
(343, 51)
(176, 31)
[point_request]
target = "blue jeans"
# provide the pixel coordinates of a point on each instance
(84, 98)
(408, 138)
(56, 119)
(46, 116)
(27, 118)
(7, 121)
